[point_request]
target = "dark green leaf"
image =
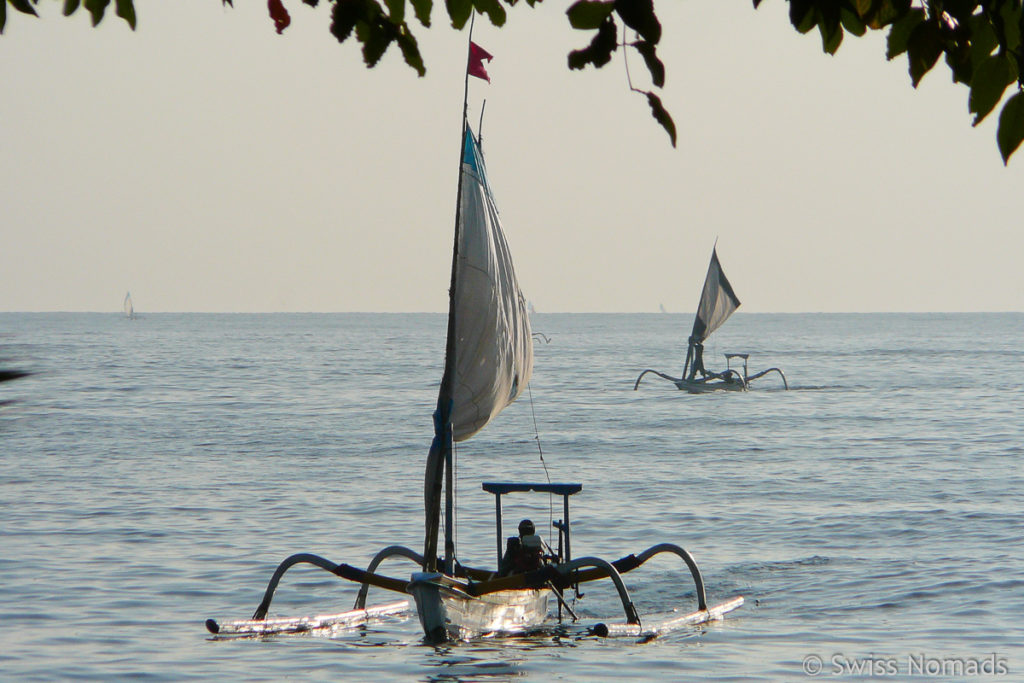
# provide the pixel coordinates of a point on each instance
(396, 10)
(375, 38)
(459, 11)
(958, 58)
(983, 39)
(344, 16)
(24, 6)
(801, 15)
(809, 22)
(923, 49)
(410, 51)
(828, 16)
(662, 116)
(831, 33)
(639, 16)
(423, 9)
(1019, 52)
(987, 88)
(70, 6)
(96, 8)
(126, 10)
(600, 50)
(885, 12)
(852, 23)
(493, 9)
(830, 43)
(654, 65)
(899, 33)
(588, 14)
(1011, 126)
(1010, 13)
(862, 8)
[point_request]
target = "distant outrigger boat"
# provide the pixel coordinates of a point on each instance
(717, 303)
(488, 363)
(129, 308)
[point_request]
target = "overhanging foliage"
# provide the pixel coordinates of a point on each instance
(980, 40)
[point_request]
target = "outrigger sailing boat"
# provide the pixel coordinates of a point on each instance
(717, 303)
(488, 362)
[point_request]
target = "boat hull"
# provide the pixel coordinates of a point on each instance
(707, 387)
(447, 612)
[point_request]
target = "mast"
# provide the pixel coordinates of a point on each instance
(439, 461)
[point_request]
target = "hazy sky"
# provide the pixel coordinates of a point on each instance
(207, 164)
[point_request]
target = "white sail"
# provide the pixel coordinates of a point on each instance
(493, 345)
(129, 309)
(489, 355)
(717, 301)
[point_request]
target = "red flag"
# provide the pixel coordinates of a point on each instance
(477, 55)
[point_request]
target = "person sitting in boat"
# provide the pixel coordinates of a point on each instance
(697, 363)
(523, 553)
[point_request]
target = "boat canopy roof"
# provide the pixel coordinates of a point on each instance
(501, 488)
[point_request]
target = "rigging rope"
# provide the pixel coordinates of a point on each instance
(455, 502)
(540, 451)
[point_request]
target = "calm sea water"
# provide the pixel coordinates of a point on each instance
(154, 472)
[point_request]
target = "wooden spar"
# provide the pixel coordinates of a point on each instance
(569, 573)
(379, 580)
(540, 577)
(536, 579)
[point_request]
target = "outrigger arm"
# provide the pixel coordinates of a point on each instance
(659, 374)
(627, 604)
(765, 372)
(343, 570)
(390, 551)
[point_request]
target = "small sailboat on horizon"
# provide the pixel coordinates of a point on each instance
(718, 301)
(129, 307)
(488, 364)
